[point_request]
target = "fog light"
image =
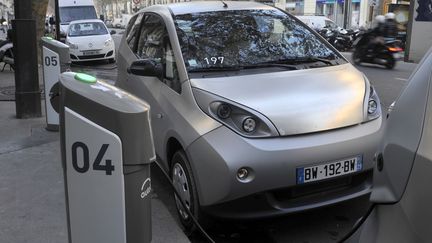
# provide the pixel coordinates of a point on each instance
(249, 125)
(372, 106)
(224, 111)
(242, 173)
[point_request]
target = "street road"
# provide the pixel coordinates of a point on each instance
(317, 226)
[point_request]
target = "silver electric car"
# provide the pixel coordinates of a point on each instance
(253, 113)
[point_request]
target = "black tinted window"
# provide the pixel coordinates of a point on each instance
(245, 37)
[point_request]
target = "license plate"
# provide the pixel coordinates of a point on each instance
(398, 55)
(329, 170)
(87, 53)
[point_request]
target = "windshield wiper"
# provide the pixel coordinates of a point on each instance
(271, 64)
(315, 59)
(216, 69)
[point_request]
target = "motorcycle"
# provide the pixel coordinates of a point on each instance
(386, 54)
(340, 39)
(6, 53)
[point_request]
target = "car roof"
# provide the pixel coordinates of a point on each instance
(311, 17)
(85, 21)
(211, 6)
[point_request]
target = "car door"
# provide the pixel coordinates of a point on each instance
(144, 43)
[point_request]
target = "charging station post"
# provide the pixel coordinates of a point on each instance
(107, 149)
(55, 60)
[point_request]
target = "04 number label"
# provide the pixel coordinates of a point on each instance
(81, 159)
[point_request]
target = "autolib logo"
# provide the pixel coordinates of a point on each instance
(146, 188)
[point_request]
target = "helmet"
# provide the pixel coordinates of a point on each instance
(380, 19)
(390, 16)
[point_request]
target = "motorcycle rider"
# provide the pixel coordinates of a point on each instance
(390, 26)
(376, 35)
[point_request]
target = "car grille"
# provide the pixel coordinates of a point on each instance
(91, 56)
(319, 190)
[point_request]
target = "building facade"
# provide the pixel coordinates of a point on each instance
(333, 9)
(6, 10)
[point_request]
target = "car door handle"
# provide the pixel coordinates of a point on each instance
(159, 115)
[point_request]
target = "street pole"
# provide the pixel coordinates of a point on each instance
(347, 14)
(27, 93)
(57, 19)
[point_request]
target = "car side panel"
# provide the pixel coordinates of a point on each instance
(402, 136)
(146, 88)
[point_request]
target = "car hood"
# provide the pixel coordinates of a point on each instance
(83, 42)
(297, 102)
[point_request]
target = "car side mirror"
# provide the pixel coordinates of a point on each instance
(113, 32)
(145, 67)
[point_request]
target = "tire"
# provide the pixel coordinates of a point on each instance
(183, 179)
(356, 57)
(391, 62)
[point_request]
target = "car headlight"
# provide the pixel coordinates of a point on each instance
(242, 120)
(72, 45)
(108, 42)
(373, 108)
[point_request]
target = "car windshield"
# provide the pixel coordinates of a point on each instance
(84, 29)
(68, 14)
(242, 38)
(330, 24)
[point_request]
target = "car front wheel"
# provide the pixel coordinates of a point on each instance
(184, 183)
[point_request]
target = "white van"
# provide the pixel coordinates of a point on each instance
(71, 10)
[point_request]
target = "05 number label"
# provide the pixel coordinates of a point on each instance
(51, 61)
(81, 159)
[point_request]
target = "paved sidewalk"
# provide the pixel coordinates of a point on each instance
(32, 204)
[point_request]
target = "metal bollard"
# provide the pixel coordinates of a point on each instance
(107, 148)
(55, 60)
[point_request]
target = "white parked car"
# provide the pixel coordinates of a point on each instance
(90, 40)
(319, 22)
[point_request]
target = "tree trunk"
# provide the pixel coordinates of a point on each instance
(39, 9)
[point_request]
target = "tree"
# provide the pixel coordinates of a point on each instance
(39, 9)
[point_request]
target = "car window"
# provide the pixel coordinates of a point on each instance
(133, 31)
(171, 78)
(242, 38)
(150, 39)
(330, 24)
(154, 43)
(89, 28)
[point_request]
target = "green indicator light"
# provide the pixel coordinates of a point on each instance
(85, 78)
(48, 38)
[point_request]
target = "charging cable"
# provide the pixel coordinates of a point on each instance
(357, 224)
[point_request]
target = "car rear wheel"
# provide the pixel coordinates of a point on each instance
(391, 62)
(183, 180)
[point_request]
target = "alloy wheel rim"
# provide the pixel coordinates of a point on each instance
(182, 186)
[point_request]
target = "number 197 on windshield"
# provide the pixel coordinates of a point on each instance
(214, 60)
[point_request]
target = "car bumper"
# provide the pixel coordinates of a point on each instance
(77, 55)
(217, 156)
